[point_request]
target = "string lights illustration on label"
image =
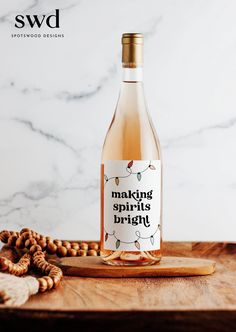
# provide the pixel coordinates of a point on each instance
(130, 172)
(136, 242)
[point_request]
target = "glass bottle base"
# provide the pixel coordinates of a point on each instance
(120, 258)
(129, 263)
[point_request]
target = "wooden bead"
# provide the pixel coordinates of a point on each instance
(92, 252)
(55, 270)
(75, 245)
(82, 252)
(49, 239)
(37, 237)
(37, 261)
(84, 246)
(4, 235)
(10, 267)
(49, 282)
(58, 243)
(12, 240)
(42, 243)
(17, 271)
(35, 248)
(37, 258)
(66, 244)
(62, 251)
(24, 230)
(5, 231)
(43, 285)
(44, 267)
(30, 242)
(34, 234)
(3, 263)
(51, 248)
(26, 235)
(38, 255)
(20, 242)
(56, 281)
(71, 252)
(47, 268)
(40, 263)
(93, 245)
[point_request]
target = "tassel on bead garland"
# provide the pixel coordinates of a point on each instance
(15, 290)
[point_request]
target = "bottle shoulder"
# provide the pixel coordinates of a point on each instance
(132, 136)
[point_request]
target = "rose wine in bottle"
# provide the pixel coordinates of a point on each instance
(131, 181)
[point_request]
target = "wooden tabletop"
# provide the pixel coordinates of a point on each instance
(136, 304)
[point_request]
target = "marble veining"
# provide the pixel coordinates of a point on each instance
(175, 140)
(57, 98)
(48, 136)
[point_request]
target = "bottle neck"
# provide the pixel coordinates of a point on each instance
(131, 99)
(133, 74)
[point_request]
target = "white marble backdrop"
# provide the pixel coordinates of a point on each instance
(57, 97)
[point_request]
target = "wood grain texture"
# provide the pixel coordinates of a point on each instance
(168, 267)
(138, 304)
(213, 292)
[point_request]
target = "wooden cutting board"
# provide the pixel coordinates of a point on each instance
(168, 267)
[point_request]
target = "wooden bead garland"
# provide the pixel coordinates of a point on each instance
(18, 269)
(28, 238)
(54, 273)
(37, 246)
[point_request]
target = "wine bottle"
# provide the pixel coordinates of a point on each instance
(131, 180)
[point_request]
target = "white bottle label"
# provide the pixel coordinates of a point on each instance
(132, 205)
